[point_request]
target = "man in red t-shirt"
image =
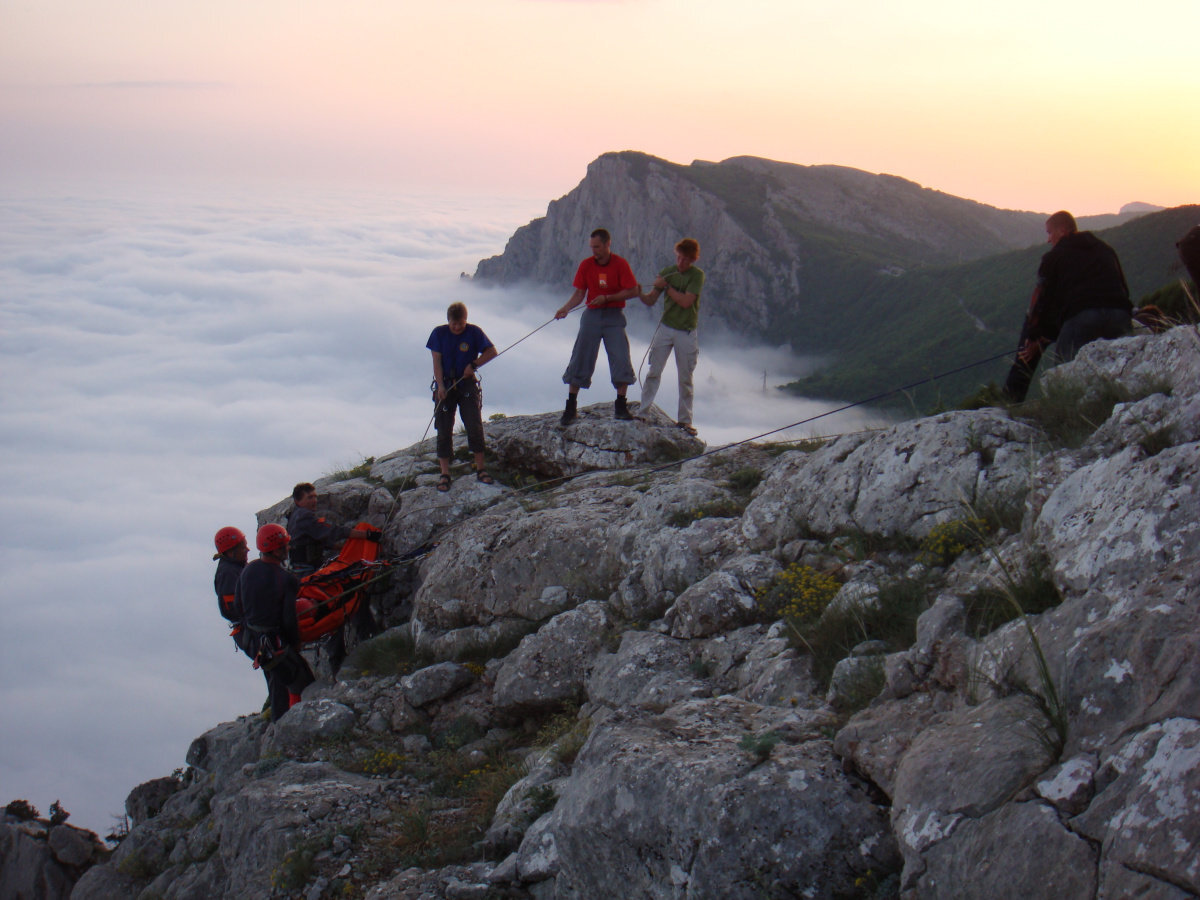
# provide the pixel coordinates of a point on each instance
(605, 281)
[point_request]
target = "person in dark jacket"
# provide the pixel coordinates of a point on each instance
(232, 554)
(312, 541)
(266, 593)
(1081, 296)
(1189, 253)
(312, 538)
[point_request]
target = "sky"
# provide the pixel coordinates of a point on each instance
(1024, 105)
(222, 224)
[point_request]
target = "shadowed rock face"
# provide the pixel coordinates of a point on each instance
(605, 633)
(44, 860)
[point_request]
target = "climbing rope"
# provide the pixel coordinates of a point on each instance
(437, 408)
(540, 485)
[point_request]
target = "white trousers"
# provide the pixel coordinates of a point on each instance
(686, 345)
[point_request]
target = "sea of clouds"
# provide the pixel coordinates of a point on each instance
(174, 360)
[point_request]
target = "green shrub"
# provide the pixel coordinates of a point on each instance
(718, 509)
(798, 595)
(542, 799)
(947, 540)
(745, 480)
(360, 470)
(379, 762)
(462, 731)
(1070, 412)
(805, 446)
(759, 746)
(389, 654)
(986, 395)
(989, 607)
(565, 732)
(22, 810)
(891, 618)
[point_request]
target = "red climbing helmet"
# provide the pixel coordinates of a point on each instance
(227, 538)
(271, 537)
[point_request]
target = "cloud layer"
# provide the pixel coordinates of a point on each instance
(172, 363)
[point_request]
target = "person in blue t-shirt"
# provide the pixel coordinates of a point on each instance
(458, 349)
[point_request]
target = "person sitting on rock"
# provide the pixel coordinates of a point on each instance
(1081, 296)
(266, 594)
(1189, 254)
(459, 349)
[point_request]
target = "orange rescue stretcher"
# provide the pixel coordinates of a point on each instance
(332, 594)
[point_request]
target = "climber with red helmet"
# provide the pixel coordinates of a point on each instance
(266, 594)
(232, 554)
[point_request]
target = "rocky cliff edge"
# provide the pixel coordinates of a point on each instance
(632, 681)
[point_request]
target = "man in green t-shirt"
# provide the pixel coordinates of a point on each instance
(681, 284)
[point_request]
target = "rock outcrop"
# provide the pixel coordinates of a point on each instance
(41, 858)
(585, 690)
(774, 233)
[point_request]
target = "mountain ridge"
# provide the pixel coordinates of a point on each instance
(803, 255)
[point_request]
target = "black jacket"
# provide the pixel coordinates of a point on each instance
(1081, 272)
(267, 595)
(225, 583)
(312, 538)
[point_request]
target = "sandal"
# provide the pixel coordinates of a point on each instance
(484, 478)
(688, 427)
(443, 484)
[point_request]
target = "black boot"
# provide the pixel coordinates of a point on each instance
(621, 410)
(570, 414)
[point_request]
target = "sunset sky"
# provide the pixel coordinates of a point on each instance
(1023, 104)
(209, 210)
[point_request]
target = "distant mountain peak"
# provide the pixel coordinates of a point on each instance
(1137, 207)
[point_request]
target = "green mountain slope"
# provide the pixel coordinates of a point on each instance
(905, 328)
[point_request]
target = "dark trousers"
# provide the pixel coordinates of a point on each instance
(287, 674)
(1079, 330)
(1087, 326)
(467, 399)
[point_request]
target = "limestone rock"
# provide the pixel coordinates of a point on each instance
(146, 800)
(903, 480)
(434, 683)
(650, 671)
(1021, 850)
(39, 860)
(683, 808)
(722, 601)
(595, 441)
(308, 722)
(552, 666)
(1146, 820)
(222, 751)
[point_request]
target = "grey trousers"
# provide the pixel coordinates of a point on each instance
(686, 345)
(596, 326)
